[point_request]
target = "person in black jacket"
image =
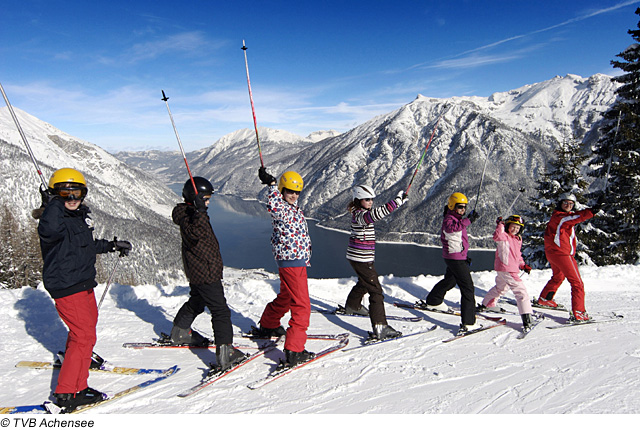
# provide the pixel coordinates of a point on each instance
(69, 255)
(203, 267)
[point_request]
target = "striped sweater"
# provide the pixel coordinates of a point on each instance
(362, 241)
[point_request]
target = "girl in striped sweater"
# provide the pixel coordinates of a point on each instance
(361, 255)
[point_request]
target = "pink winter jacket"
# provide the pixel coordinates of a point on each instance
(508, 255)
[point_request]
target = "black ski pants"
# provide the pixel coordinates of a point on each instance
(368, 283)
(211, 296)
(458, 272)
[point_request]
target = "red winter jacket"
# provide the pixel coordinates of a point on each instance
(560, 236)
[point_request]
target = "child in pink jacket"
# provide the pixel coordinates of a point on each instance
(508, 264)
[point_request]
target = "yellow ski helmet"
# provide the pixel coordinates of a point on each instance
(66, 175)
(515, 219)
(291, 181)
(455, 199)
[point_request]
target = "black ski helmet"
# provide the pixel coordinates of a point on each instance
(203, 186)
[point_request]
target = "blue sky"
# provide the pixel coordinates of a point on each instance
(95, 69)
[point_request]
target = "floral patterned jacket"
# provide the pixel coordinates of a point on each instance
(290, 237)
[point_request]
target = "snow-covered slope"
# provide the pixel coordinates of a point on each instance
(591, 369)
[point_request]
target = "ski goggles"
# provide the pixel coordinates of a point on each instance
(461, 206)
(287, 190)
(72, 193)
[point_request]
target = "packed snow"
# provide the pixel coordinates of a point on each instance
(590, 369)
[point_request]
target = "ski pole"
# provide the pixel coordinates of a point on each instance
(615, 138)
(184, 156)
(423, 153)
(522, 190)
(24, 138)
(113, 272)
(253, 110)
(484, 169)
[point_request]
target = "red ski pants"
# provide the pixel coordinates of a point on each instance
(565, 267)
(294, 297)
(80, 313)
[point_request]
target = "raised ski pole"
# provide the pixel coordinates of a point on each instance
(522, 190)
(184, 156)
(424, 153)
(615, 138)
(484, 169)
(253, 110)
(24, 138)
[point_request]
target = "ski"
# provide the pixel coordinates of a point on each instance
(27, 409)
(214, 376)
(48, 407)
(495, 310)
(561, 308)
(419, 306)
(281, 370)
(316, 336)
(164, 341)
(538, 319)
(105, 367)
(613, 318)
(479, 330)
(340, 311)
(372, 341)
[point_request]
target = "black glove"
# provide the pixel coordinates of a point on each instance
(199, 203)
(121, 246)
(526, 268)
(473, 215)
(45, 195)
(499, 220)
(265, 178)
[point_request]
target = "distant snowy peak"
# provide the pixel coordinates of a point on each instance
(555, 106)
(317, 136)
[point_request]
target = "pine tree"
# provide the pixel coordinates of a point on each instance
(20, 259)
(563, 174)
(614, 235)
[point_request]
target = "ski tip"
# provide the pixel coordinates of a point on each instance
(244, 47)
(164, 97)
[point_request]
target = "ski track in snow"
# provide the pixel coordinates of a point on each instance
(591, 369)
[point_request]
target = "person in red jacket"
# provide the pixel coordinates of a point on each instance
(560, 248)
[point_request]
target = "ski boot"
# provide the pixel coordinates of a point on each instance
(227, 356)
(494, 309)
(96, 361)
(295, 358)
(186, 336)
(384, 331)
(551, 304)
(465, 328)
(263, 332)
(526, 323)
(69, 402)
(422, 304)
(351, 311)
(579, 317)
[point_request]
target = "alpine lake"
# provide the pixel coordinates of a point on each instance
(243, 229)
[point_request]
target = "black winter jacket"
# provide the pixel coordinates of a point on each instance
(200, 249)
(68, 249)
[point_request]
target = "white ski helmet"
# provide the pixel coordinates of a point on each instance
(363, 192)
(567, 196)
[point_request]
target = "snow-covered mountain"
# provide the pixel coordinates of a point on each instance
(126, 202)
(517, 130)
